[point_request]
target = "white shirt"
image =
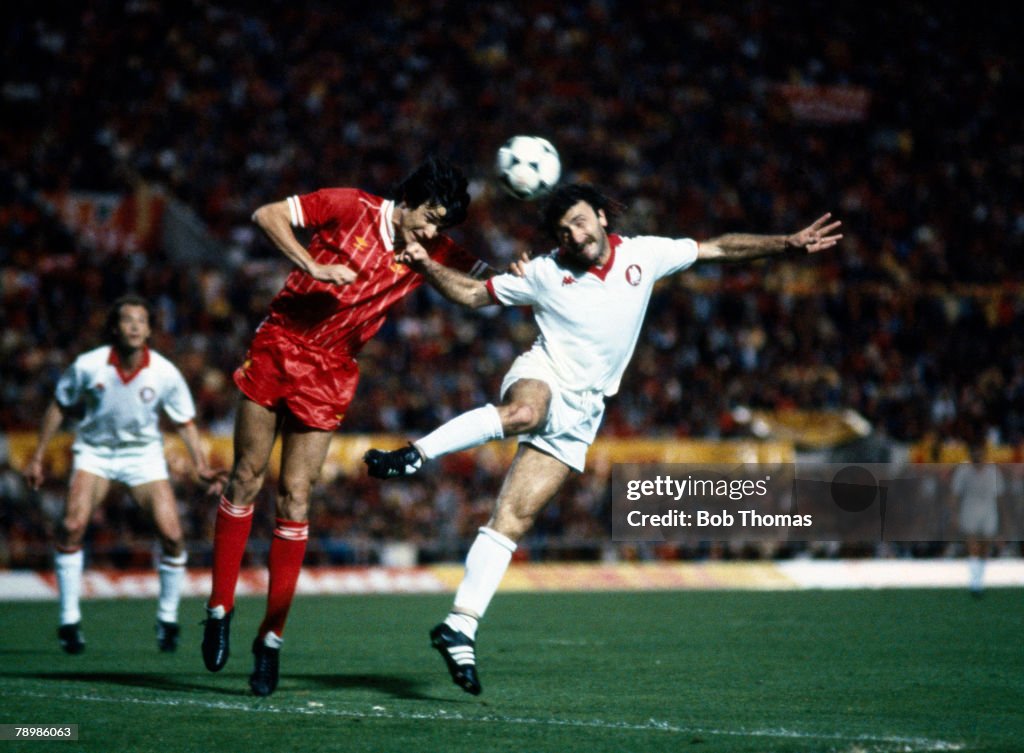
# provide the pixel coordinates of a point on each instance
(590, 321)
(123, 409)
(979, 485)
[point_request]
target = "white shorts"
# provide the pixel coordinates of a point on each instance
(979, 519)
(131, 466)
(573, 418)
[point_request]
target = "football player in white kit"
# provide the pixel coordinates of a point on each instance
(115, 393)
(976, 488)
(589, 297)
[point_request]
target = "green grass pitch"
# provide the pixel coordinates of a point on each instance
(845, 671)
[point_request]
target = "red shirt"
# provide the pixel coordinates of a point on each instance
(353, 228)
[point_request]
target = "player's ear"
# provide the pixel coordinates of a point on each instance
(601, 218)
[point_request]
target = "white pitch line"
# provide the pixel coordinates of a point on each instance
(907, 744)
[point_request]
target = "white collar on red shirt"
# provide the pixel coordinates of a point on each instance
(387, 227)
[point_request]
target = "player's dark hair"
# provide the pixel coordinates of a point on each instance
(114, 315)
(568, 196)
(436, 181)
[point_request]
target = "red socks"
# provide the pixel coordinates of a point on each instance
(230, 536)
(287, 550)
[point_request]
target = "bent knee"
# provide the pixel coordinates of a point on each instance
(72, 531)
(172, 547)
(245, 483)
(520, 418)
(293, 499)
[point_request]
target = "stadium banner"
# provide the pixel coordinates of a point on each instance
(785, 575)
(114, 223)
(345, 456)
(807, 502)
(827, 105)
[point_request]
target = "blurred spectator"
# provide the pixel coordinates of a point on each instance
(681, 108)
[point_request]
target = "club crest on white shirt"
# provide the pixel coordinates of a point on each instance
(147, 394)
(634, 274)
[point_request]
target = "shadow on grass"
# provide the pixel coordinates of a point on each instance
(131, 680)
(396, 687)
(27, 652)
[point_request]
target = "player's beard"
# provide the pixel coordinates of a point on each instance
(577, 256)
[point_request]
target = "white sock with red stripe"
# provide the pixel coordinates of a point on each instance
(172, 574)
(486, 563)
(469, 429)
(68, 567)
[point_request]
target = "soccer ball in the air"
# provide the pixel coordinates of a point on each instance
(528, 167)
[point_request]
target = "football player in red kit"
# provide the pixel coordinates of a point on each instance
(300, 373)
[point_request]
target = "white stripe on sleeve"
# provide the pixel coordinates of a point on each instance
(295, 210)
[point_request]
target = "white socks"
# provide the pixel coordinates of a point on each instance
(172, 573)
(486, 563)
(469, 429)
(463, 623)
(68, 566)
(976, 569)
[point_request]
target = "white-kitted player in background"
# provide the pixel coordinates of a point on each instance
(976, 489)
(115, 393)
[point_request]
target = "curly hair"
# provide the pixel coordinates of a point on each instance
(568, 196)
(437, 181)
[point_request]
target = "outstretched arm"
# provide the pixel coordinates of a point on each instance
(454, 285)
(275, 221)
(818, 236)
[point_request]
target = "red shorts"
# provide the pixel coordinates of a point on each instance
(316, 385)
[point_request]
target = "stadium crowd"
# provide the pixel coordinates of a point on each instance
(679, 109)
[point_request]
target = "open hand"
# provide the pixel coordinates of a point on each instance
(816, 237)
(518, 266)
